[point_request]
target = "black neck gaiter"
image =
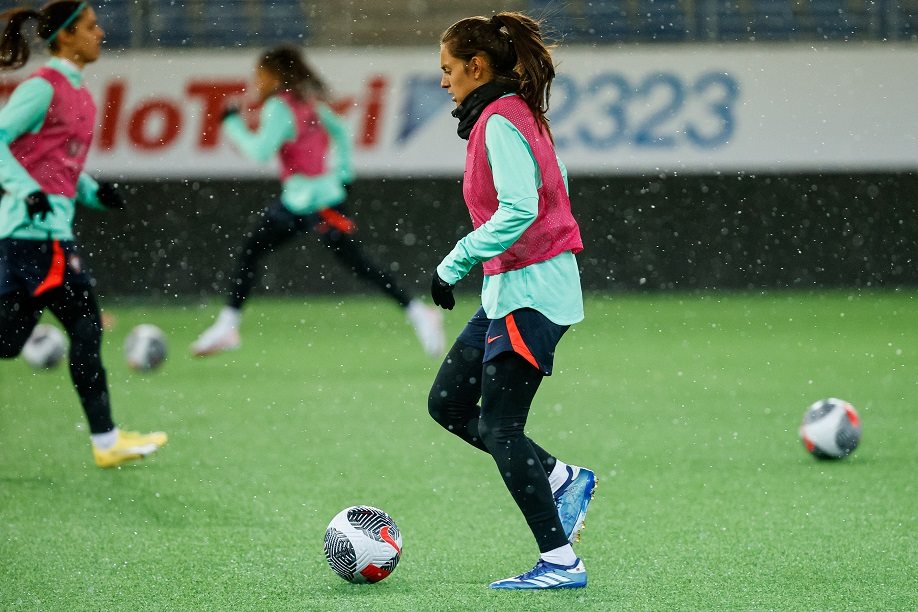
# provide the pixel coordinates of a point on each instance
(468, 112)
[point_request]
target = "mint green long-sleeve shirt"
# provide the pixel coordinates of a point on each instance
(277, 125)
(25, 113)
(553, 286)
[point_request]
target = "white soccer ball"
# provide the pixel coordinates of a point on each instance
(831, 429)
(46, 347)
(363, 544)
(145, 347)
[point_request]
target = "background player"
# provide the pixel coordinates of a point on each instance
(297, 125)
(46, 129)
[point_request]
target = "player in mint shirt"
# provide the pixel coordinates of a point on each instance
(313, 147)
(498, 72)
(25, 113)
(46, 130)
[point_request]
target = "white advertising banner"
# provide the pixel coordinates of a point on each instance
(630, 110)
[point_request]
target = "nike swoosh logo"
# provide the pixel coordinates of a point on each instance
(490, 339)
(388, 539)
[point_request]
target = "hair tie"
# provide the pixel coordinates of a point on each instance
(495, 22)
(69, 20)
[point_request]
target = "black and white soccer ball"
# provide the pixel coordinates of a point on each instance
(145, 347)
(831, 429)
(363, 544)
(45, 348)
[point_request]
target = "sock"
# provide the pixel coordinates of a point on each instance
(414, 306)
(564, 556)
(560, 474)
(230, 317)
(104, 441)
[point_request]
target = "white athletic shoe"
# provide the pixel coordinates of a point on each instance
(428, 325)
(223, 335)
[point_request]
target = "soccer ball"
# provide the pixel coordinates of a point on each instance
(45, 348)
(363, 544)
(145, 347)
(831, 429)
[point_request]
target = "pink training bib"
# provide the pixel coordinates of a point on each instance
(307, 152)
(56, 154)
(554, 231)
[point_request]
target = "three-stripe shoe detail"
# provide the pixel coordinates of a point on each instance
(547, 575)
(552, 579)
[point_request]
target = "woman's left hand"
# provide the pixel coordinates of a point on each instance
(442, 293)
(109, 196)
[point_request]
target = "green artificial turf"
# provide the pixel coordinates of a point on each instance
(686, 406)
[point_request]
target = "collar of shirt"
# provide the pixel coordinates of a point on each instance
(68, 69)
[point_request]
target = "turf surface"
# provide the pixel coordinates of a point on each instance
(686, 406)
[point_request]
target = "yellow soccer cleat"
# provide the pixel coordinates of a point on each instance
(130, 446)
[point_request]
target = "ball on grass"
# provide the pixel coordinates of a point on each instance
(45, 348)
(145, 347)
(831, 429)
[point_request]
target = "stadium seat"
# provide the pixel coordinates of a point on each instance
(661, 20)
(601, 22)
(113, 16)
(608, 22)
(754, 20)
(170, 24)
(833, 20)
(900, 20)
(286, 21)
(228, 23)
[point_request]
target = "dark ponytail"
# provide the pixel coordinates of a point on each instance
(52, 18)
(14, 47)
(512, 42)
(294, 72)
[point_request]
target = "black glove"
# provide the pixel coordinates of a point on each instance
(108, 196)
(442, 293)
(38, 205)
(228, 111)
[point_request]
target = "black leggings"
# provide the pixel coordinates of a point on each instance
(506, 387)
(77, 310)
(278, 226)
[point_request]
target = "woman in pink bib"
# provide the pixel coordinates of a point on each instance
(313, 147)
(46, 130)
(499, 72)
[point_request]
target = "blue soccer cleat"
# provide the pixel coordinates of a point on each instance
(572, 500)
(546, 575)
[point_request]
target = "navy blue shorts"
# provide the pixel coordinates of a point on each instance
(37, 266)
(332, 220)
(526, 332)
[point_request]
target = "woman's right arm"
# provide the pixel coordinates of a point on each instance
(275, 127)
(24, 113)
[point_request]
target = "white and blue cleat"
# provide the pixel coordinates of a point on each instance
(572, 500)
(546, 575)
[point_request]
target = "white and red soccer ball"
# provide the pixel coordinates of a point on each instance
(363, 544)
(45, 347)
(145, 347)
(831, 429)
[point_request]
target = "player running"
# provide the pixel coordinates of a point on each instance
(45, 132)
(498, 72)
(297, 125)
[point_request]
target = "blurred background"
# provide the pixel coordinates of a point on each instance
(711, 144)
(246, 23)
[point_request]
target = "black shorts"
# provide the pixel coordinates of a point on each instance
(37, 266)
(526, 332)
(332, 220)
